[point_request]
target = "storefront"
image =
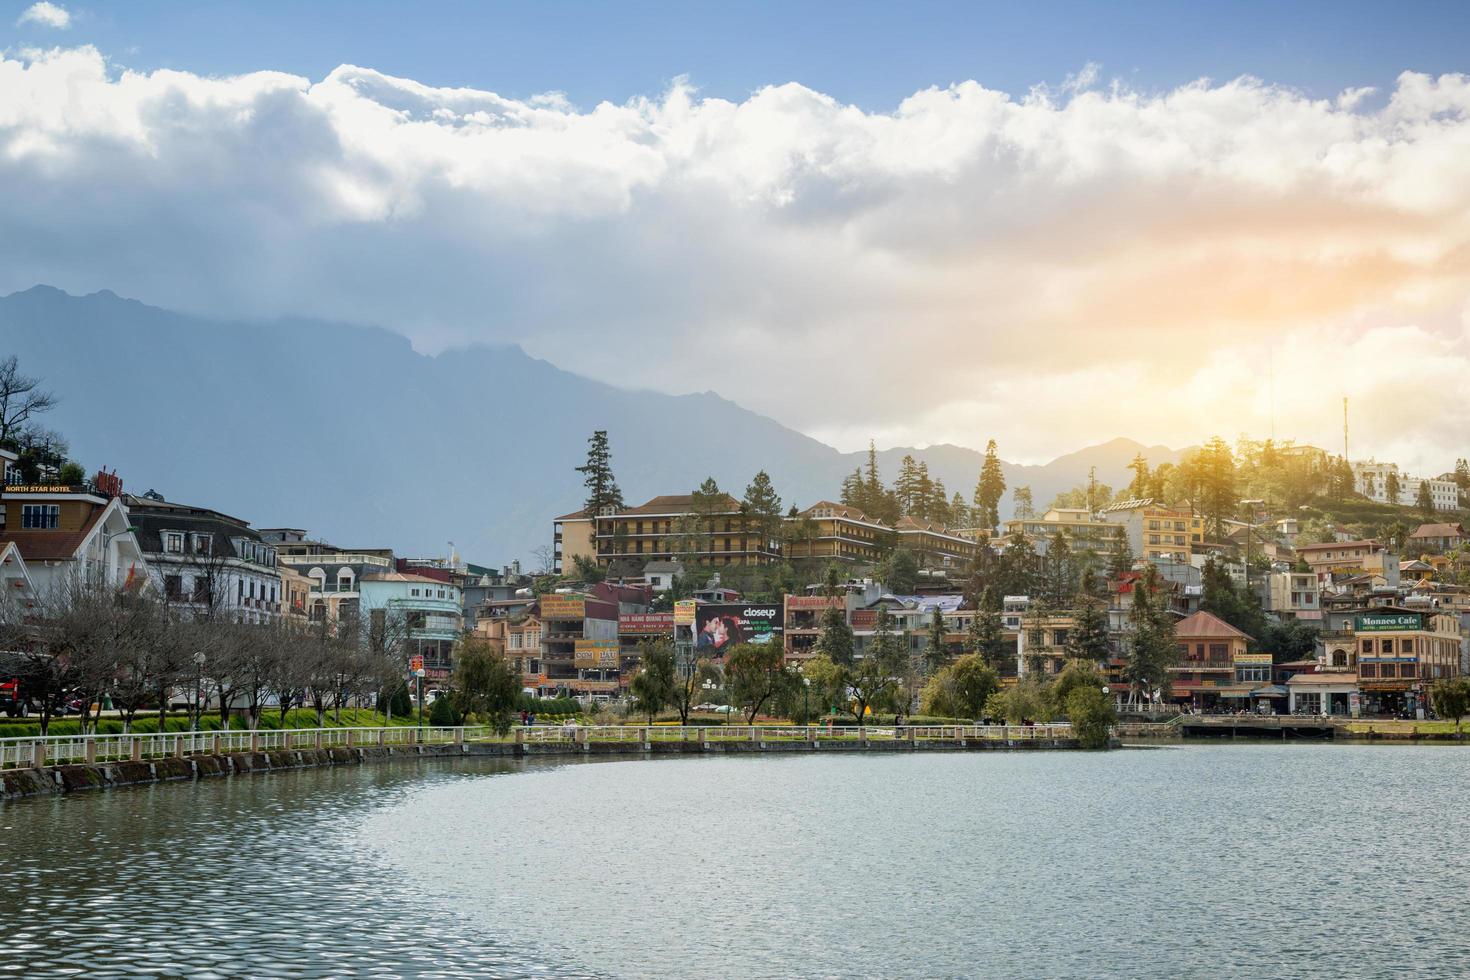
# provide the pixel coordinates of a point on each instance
(1322, 694)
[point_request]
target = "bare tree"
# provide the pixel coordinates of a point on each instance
(21, 398)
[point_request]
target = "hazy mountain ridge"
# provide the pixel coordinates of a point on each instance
(347, 431)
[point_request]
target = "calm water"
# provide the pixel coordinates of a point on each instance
(1203, 861)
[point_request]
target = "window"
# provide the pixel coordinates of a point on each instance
(201, 590)
(1367, 646)
(40, 517)
(1386, 670)
(413, 592)
(1386, 646)
(202, 544)
(173, 542)
(1406, 646)
(173, 587)
(1368, 670)
(1407, 670)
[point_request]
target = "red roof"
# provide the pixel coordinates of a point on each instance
(52, 545)
(1208, 626)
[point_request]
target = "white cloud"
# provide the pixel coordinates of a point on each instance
(1073, 265)
(46, 14)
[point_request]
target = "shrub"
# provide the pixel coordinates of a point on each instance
(442, 713)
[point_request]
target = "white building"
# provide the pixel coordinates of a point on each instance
(1371, 479)
(61, 531)
(203, 561)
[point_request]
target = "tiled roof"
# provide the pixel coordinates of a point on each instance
(1207, 626)
(52, 545)
(841, 510)
(678, 503)
(1439, 531)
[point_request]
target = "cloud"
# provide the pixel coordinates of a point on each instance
(1070, 265)
(46, 14)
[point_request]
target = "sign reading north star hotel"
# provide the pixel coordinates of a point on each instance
(1382, 622)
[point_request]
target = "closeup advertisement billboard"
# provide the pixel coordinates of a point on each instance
(720, 626)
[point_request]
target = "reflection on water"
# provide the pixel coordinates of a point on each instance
(1199, 861)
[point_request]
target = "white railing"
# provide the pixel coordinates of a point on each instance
(34, 751)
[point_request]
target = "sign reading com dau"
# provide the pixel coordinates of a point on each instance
(1380, 622)
(592, 654)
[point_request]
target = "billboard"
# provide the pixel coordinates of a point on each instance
(1378, 622)
(720, 626)
(595, 654)
(563, 607)
(646, 624)
(684, 612)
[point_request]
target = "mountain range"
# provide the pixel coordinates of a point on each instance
(350, 433)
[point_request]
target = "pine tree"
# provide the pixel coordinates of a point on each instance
(986, 635)
(602, 487)
(763, 505)
(853, 491)
(907, 487)
(1391, 487)
(1060, 583)
(1139, 488)
(1462, 475)
(708, 501)
(1088, 639)
(990, 487)
(1023, 508)
(936, 650)
(885, 647)
(1016, 574)
(959, 511)
(835, 640)
(1120, 560)
(1425, 500)
(1151, 645)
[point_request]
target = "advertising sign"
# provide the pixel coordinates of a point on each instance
(1380, 622)
(720, 626)
(811, 602)
(563, 607)
(684, 612)
(595, 654)
(1253, 658)
(646, 624)
(416, 664)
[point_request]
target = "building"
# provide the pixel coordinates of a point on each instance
(1209, 649)
(335, 573)
(836, 532)
(579, 646)
(62, 531)
(523, 647)
(667, 528)
(1400, 652)
(1156, 531)
(571, 537)
(934, 546)
(1347, 558)
(1371, 478)
(207, 563)
(295, 594)
(1295, 594)
(1079, 527)
(802, 622)
(425, 614)
(1436, 537)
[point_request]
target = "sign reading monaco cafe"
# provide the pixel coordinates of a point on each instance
(1383, 622)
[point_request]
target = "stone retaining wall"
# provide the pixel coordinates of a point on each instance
(18, 783)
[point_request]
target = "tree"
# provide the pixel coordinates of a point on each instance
(1120, 555)
(1450, 698)
(21, 399)
(960, 690)
(990, 487)
(588, 570)
(1391, 486)
(754, 674)
(835, 641)
(901, 572)
(1059, 572)
(603, 494)
(653, 686)
(872, 685)
(763, 505)
(1023, 508)
(1016, 572)
(1424, 500)
(959, 511)
(828, 681)
(1151, 646)
(936, 650)
(708, 501)
(1088, 639)
(1213, 471)
(1092, 715)
(1142, 479)
(1025, 702)
(688, 686)
(986, 635)
(485, 683)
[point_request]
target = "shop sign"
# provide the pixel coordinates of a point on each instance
(684, 612)
(595, 654)
(1381, 622)
(563, 607)
(646, 623)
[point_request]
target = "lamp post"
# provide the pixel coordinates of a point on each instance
(198, 684)
(806, 698)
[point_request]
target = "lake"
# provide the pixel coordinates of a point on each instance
(1209, 861)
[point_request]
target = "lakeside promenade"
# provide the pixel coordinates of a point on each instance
(31, 766)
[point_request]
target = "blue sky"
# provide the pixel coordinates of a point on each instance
(871, 190)
(871, 54)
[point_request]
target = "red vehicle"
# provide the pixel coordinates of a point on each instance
(12, 701)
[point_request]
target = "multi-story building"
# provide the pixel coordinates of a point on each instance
(523, 647)
(1347, 557)
(935, 546)
(207, 563)
(579, 646)
(1437, 537)
(836, 532)
(802, 622)
(1371, 479)
(1078, 527)
(571, 537)
(1209, 648)
(335, 573)
(1156, 531)
(63, 531)
(667, 528)
(1400, 652)
(1295, 594)
(425, 614)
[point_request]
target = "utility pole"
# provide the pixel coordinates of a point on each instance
(1345, 429)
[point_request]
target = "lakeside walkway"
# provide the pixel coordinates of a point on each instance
(33, 765)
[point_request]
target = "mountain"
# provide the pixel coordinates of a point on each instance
(350, 433)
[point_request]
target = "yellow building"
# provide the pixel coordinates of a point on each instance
(1082, 531)
(836, 532)
(934, 545)
(672, 527)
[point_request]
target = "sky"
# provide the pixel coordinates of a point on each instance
(917, 223)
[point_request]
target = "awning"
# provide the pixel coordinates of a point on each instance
(1271, 691)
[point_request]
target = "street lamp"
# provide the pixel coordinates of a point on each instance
(198, 685)
(806, 697)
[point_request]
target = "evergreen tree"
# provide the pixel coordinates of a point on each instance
(936, 650)
(990, 487)
(1059, 583)
(1088, 639)
(986, 636)
(959, 511)
(1016, 574)
(1425, 501)
(1462, 476)
(1120, 557)
(1391, 487)
(763, 505)
(1023, 508)
(885, 646)
(901, 572)
(835, 641)
(906, 488)
(603, 495)
(708, 501)
(1139, 488)
(1151, 647)
(853, 491)
(938, 508)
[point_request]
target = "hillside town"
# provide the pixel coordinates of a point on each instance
(1261, 578)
